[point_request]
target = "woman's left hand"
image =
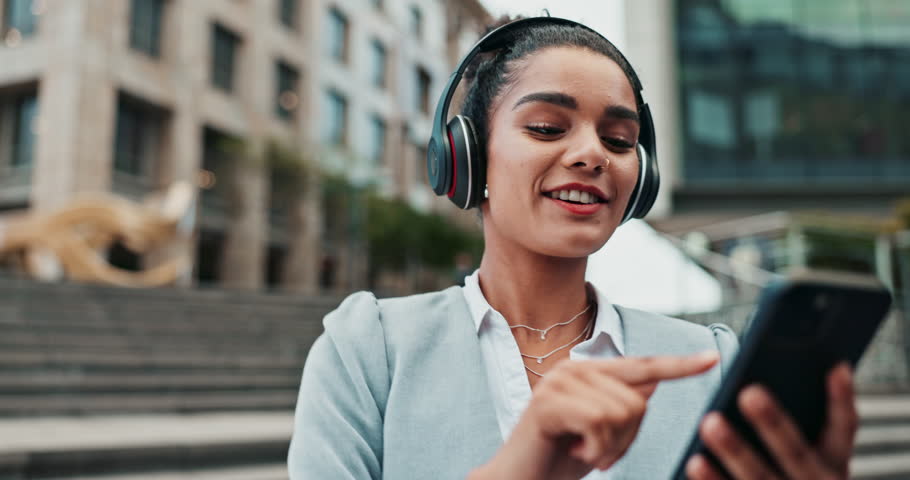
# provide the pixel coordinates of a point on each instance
(829, 459)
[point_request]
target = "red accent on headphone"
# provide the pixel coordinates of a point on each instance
(454, 166)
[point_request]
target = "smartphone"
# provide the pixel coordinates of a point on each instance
(804, 325)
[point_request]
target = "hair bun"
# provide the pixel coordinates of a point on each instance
(476, 65)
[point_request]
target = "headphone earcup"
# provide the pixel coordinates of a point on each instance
(645, 192)
(466, 170)
(651, 185)
(439, 165)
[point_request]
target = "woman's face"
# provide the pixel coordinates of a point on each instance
(566, 125)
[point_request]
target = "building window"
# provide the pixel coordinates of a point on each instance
(377, 140)
(275, 261)
(25, 117)
(416, 21)
(421, 164)
(287, 13)
(19, 20)
(336, 114)
(224, 52)
(138, 137)
(218, 150)
(338, 35)
(209, 254)
(423, 90)
(145, 26)
(378, 64)
(286, 97)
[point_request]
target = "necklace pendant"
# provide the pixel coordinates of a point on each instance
(543, 335)
(539, 360)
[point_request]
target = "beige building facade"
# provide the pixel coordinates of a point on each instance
(131, 95)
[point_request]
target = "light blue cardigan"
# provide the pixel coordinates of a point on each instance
(395, 389)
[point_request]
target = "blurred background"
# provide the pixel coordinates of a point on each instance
(300, 127)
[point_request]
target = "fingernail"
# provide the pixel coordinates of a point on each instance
(692, 465)
(846, 371)
(752, 398)
(707, 355)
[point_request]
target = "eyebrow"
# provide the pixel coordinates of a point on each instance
(622, 113)
(568, 101)
(556, 98)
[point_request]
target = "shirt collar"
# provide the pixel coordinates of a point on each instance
(607, 323)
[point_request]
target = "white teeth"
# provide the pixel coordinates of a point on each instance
(574, 196)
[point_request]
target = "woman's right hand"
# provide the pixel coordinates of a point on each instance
(584, 414)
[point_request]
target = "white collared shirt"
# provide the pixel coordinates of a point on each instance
(505, 369)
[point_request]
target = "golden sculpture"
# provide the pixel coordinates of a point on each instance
(70, 242)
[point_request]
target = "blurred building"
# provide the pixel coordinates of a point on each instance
(234, 96)
(784, 141)
(780, 105)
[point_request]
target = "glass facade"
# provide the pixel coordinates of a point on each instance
(224, 52)
(145, 26)
(19, 15)
(800, 92)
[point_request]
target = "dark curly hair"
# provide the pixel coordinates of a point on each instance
(490, 72)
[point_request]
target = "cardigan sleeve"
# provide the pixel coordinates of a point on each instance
(338, 422)
(727, 345)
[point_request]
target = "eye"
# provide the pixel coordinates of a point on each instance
(544, 129)
(617, 142)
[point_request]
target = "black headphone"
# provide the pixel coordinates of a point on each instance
(456, 166)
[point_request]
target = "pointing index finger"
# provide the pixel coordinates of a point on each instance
(643, 370)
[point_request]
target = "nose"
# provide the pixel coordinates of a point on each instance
(587, 153)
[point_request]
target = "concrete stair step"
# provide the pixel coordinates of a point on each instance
(222, 313)
(887, 408)
(276, 471)
(146, 447)
(138, 359)
(21, 288)
(175, 402)
(44, 382)
(287, 348)
(88, 295)
(84, 326)
(875, 439)
(889, 466)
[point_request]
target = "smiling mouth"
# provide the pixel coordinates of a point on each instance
(575, 197)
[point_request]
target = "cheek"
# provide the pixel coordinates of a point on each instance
(626, 175)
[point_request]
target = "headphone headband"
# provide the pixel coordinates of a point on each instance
(498, 38)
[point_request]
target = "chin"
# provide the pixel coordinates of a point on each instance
(575, 246)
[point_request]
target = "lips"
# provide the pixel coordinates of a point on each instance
(577, 198)
(578, 208)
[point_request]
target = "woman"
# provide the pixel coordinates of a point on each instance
(472, 382)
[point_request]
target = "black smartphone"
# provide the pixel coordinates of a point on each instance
(804, 325)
